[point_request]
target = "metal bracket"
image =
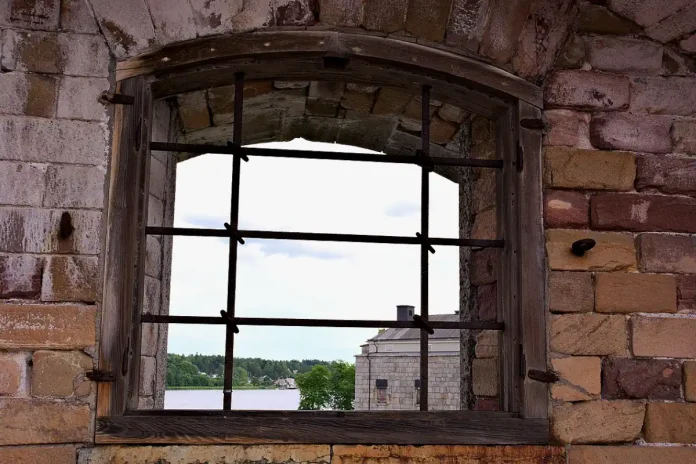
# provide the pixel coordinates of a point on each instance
(422, 324)
(116, 98)
(229, 320)
(241, 155)
(239, 239)
(543, 376)
(98, 375)
(430, 247)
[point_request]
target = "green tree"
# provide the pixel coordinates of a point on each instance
(342, 386)
(240, 377)
(314, 388)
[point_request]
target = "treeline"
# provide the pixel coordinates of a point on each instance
(197, 370)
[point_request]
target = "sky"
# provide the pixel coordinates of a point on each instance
(282, 278)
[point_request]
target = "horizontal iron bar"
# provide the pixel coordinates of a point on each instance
(318, 237)
(324, 155)
(289, 322)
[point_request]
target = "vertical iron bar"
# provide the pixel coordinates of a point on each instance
(425, 212)
(234, 225)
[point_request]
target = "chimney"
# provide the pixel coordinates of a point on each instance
(404, 312)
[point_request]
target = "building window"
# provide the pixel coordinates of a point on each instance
(381, 389)
(389, 348)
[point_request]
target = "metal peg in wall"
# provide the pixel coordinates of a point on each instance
(579, 247)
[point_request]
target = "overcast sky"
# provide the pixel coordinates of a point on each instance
(277, 278)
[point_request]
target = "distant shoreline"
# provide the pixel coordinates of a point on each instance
(220, 388)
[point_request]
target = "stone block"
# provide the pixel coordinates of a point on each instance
(38, 454)
(357, 101)
(149, 339)
(588, 335)
(370, 133)
(129, 31)
(153, 259)
(686, 293)
(151, 297)
(466, 23)
(613, 251)
(385, 15)
(11, 374)
(666, 174)
(427, 19)
(482, 130)
(667, 253)
(75, 186)
(193, 109)
(588, 169)
(442, 131)
(148, 367)
(159, 180)
(634, 293)
(173, 20)
(570, 292)
(24, 184)
(625, 56)
(684, 137)
(35, 14)
(636, 454)
(70, 278)
(28, 94)
(322, 108)
(390, 101)
(689, 44)
(486, 404)
(483, 195)
(596, 19)
(597, 421)
(647, 12)
(76, 16)
(620, 131)
(567, 128)
(487, 302)
(43, 326)
(690, 381)
(53, 140)
(503, 29)
(485, 376)
(564, 209)
(587, 90)
(60, 374)
(664, 337)
(663, 95)
(581, 378)
(654, 379)
(341, 12)
(487, 345)
(674, 26)
(20, 276)
(643, 213)
(485, 225)
(34, 421)
(452, 113)
(326, 90)
(675, 63)
(670, 423)
(484, 266)
(295, 13)
(79, 98)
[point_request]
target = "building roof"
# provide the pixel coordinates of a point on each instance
(413, 333)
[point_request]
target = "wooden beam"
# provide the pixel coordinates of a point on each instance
(330, 427)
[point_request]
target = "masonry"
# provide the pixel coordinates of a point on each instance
(619, 103)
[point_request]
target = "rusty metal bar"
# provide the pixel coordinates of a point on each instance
(424, 236)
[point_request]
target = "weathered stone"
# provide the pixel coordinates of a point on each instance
(153, 260)
(484, 266)
(487, 302)
(654, 379)
(690, 381)
(79, 98)
(23, 184)
(663, 95)
(385, 15)
(33, 421)
(38, 454)
(647, 12)
(667, 253)
(667, 174)
(664, 337)
(11, 373)
(442, 131)
(291, 85)
(173, 20)
(568, 128)
(597, 421)
(76, 16)
(633, 293)
(485, 225)
(485, 376)
(482, 131)
(20, 276)
(581, 378)
(427, 19)
(467, 21)
(158, 178)
(42, 326)
(129, 31)
(35, 14)
(146, 402)
(60, 374)
(341, 12)
(675, 63)
(147, 375)
(322, 108)
(483, 194)
(570, 292)
(486, 404)
(28, 94)
(631, 454)
(70, 278)
(670, 423)
(390, 101)
(343, 454)
(613, 251)
(414, 109)
(686, 293)
(620, 131)
(53, 140)
(503, 29)
(370, 133)
(598, 20)
(564, 209)
(674, 26)
(587, 90)
(588, 169)
(452, 113)
(75, 186)
(689, 44)
(272, 454)
(295, 13)
(588, 335)
(629, 56)
(149, 339)
(573, 54)
(193, 110)
(357, 101)
(684, 137)
(487, 344)
(643, 213)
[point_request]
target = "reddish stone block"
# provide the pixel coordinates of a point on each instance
(33, 422)
(10, 374)
(684, 137)
(654, 379)
(675, 26)
(621, 131)
(564, 209)
(667, 253)
(647, 12)
(670, 423)
(38, 454)
(568, 128)
(664, 337)
(46, 326)
(484, 266)
(585, 89)
(487, 302)
(643, 213)
(663, 95)
(598, 20)
(627, 56)
(686, 293)
(20, 276)
(667, 174)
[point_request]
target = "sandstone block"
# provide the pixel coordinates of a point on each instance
(34, 421)
(588, 169)
(41, 14)
(633, 293)
(570, 292)
(482, 130)
(630, 454)
(442, 131)
(466, 23)
(24, 184)
(452, 113)
(390, 101)
(664, 337)
(675, 26)
(357, 101)
(663, 95)
(686, 293)
(690, 381)
(79, 98)
(667, 174)
(173, 20)
(613, 251)
(129, 31)
(487, 345)
(75, 16)
(38, 454)
(642, 213)
(427, 19)
(487, 302)
(44, 326)
(193, 110)
(485, 376)
(484, 266)
(341, 13)
(500, 36)
(60, 374)
(684, 137)
(484, 192)
(667, 253)
(75, 186)
(597, 421)
(28, 94)
(485, 225)
(587, 90)
(568, 128)
(70, 278)
(11, 373)
(621, 131)
(566, 209)
(670, 423)
(647, 13)
(654, 379)
(20, 276)
(626, 56)
(588, 335)
(599, 20)
(581, 378)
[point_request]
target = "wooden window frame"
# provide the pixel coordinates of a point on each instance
(515, 108)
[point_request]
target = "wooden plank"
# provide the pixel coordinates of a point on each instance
(406, 428)
(532, 266)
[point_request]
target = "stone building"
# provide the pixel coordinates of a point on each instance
(590, 106)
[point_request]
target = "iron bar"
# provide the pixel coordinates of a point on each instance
(424, 236)
(322, 237)
(290, 322)
(322, 155)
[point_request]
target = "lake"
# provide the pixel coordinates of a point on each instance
(241, 399)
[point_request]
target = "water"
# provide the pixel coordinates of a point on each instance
(241, 399)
